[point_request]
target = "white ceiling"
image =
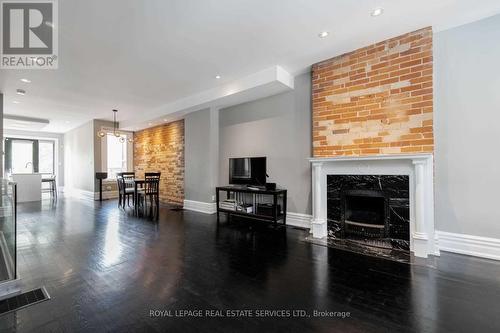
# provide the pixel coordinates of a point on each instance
(141, 56)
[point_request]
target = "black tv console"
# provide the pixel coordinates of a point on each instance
(254, 203)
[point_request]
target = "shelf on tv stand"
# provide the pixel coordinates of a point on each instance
(277, 196)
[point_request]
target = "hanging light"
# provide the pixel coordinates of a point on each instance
(101, 134)
(115, 124)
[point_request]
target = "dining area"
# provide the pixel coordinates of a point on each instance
(140, 195)
(143, 170)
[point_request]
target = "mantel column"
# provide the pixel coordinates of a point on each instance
(319, 225)
(420, 237)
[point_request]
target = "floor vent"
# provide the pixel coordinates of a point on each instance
(23, 300)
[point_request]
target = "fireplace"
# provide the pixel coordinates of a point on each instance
(407, 184)
(364, 214)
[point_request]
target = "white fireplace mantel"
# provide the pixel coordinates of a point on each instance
(419, 168)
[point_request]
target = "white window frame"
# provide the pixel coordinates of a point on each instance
(39, 138)
(104, 151)
(54, 153)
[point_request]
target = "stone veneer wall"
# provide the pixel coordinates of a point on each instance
(375, 100)
(161, 149)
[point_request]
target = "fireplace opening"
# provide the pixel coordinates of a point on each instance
(369, 214)
(364, 213)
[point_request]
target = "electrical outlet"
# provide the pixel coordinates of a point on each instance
(213, 197)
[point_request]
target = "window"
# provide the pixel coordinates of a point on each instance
(46, 157)
(116, 155)
(22, 156)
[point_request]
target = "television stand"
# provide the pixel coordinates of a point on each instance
(252, 202)
(254, 188)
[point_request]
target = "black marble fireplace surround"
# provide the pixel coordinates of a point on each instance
(369, 212)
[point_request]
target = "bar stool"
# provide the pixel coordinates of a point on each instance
(51, 180)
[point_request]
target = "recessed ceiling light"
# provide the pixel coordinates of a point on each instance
(377, 11)
(323, 34)
(16, 102)
(67, 121)
(21, 92)
(217, 77)
(25, 80)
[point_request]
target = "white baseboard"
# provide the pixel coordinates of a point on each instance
(477, 246)
(298, 220)
(201, 207)
(106, 195)
(293, 219)
(78, 193)
(82, 194)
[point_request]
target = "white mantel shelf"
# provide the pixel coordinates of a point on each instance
(419, 168)
(372, 158)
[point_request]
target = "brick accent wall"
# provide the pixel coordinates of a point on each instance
(161, 149)
(375, 100)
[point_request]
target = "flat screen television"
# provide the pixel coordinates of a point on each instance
(247, 171)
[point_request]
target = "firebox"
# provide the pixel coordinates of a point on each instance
(364, 213)
(367, 213)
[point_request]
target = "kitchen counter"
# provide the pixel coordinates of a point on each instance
(29, 186)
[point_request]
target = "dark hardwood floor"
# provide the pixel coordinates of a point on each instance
(106, 271)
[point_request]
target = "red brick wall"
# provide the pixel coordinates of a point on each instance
(161, 149)
(375, 100)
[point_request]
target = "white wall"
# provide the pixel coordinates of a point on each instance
(467, 128)
(79, 158)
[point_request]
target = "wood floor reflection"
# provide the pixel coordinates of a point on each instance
(106, 270)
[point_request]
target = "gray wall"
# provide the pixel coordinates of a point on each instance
(467, 127)
(201, 156)
(79, 157)
(60, 148)
(278, 127)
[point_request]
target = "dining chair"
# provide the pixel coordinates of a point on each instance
(151, 189)
(125, 188)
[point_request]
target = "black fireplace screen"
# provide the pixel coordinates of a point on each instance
(364, 213)
(368, 206)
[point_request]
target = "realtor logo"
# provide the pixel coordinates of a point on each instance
(29, 38)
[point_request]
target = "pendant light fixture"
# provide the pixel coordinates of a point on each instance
(101, 134)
